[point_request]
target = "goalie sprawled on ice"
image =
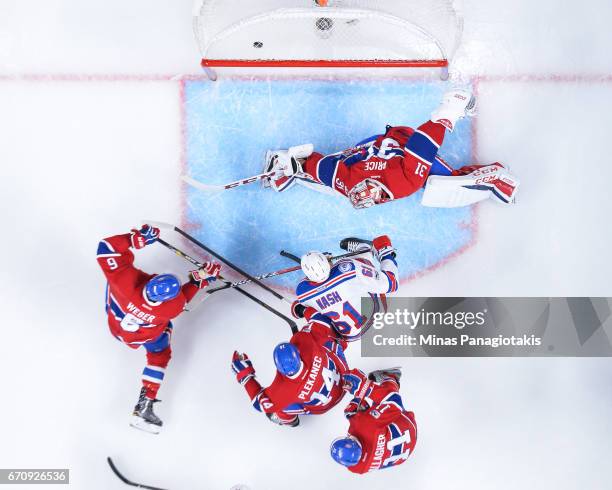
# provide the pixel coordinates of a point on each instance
(396, 164)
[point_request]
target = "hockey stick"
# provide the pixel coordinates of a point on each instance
(125, 480)
(238, 183)
(289, 255)
(217, 188)
(284, 271)
(227, 284)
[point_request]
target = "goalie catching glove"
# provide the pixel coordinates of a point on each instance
(204, 276)
(285, 165)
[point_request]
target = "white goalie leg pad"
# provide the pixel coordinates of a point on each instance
(455, 105)
(491, 181)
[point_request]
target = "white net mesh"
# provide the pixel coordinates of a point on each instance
(345, 30)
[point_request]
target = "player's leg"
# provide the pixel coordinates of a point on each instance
(471, 184)
(440, 167)
(425, 142)
(284, 419)
(386, 375)
(159, 353)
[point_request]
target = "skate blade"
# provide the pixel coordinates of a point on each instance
(143, 425)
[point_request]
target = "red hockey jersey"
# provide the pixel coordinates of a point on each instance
(132, 318)
(400, 160)
(387, 432)
(317, 387)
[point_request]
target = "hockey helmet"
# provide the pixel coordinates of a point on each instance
(162, 288)
(316, 266)
(346, 451)
(287, 359)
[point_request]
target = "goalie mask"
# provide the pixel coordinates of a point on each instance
(369, 193)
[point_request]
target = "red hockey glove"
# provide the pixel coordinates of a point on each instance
(145, 236)
(383, 248)
(204, 276)
(242, 367)
(351, 409)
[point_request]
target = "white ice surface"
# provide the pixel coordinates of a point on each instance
(83, 159)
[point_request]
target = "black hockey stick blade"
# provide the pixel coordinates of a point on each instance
(291, 256)
(125, 480)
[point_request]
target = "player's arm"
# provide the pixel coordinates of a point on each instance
(245, 375)
(385, 281)
(200, 278)
(385, 397)
(114, 253)
(357, 384)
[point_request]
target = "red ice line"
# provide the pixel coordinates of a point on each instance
(182, 79)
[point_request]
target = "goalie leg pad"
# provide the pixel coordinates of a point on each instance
(490, 181)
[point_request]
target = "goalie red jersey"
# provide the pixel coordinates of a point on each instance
(382, 433)
(395, 165)
(132, 317)
(398, 161)
(316, 385)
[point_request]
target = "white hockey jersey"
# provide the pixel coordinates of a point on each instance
(339, 298)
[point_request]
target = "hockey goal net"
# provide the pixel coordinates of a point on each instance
(327, 33)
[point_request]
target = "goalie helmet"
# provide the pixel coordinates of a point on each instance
(369, 193)
(316, 266)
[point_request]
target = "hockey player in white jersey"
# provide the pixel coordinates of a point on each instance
(336, 290)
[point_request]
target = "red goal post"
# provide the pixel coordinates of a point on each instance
(327, 33)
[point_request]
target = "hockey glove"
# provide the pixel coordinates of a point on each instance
(145, 236)
(242, 367)
(298, 309)
(383, 248)
(351, 409)
(204, 276)
(353, 381)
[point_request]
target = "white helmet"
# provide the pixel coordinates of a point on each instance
(316, 266)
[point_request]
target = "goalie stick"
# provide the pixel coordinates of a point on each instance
(227, 284)
(217, 188)
(238, 183)
(125, 480)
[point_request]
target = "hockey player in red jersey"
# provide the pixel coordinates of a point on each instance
(140, 308)
(309, 370)
(395, 165)
(382, 433)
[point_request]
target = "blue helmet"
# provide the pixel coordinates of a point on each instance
(346, 451)
(287, 359)
(163, 288)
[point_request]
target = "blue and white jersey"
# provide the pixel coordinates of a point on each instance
(339, 297)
